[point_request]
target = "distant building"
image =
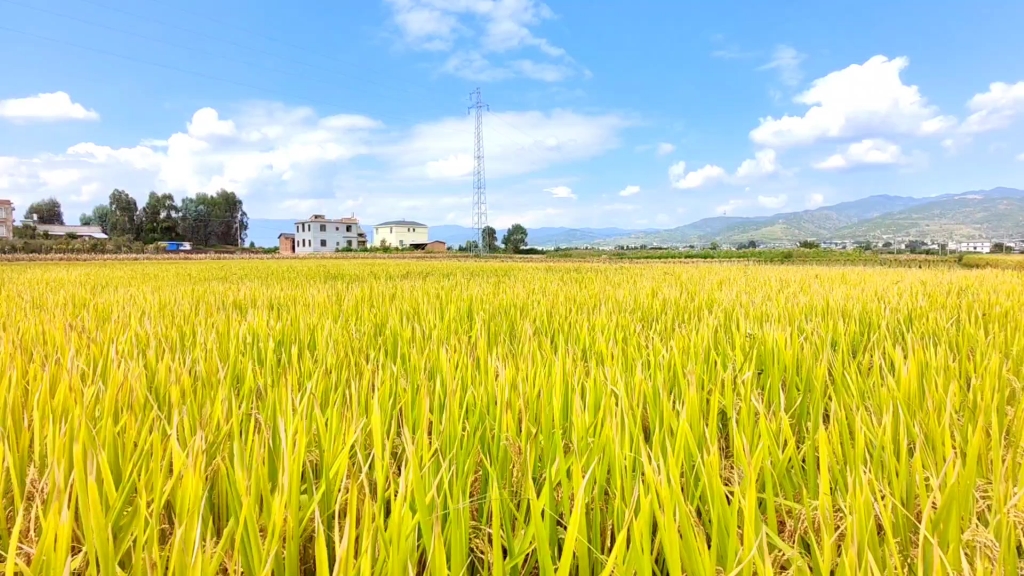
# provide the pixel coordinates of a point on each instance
(59, 230)
(6, 220)
(320, 234)
(400, 233)
(435, 246)
(286, 243)
(979, 246)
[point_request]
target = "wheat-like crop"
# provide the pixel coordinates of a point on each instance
(459, 417)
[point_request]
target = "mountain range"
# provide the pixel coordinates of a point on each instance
(981, 214)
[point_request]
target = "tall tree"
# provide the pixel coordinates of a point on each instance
(214, 219)
(490, 237)
(123, 212)
(100, 216)
(159, 218)
(515, 238)
(46, 211)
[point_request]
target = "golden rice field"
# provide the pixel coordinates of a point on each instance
(507, 418)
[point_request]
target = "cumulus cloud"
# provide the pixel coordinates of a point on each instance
(478, 27)
(684, 180)
(629, 191)
(860, 100)
(786, 61)
(772, 201)
(284, 159)
(664, 148)
(995, 109)
(561, 192)
(763, 163)
(871, 151)
(50, 107)
(814, 200)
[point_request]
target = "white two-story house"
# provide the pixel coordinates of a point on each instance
(320, 234)
(399, 233)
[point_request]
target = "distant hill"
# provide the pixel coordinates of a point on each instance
(976, 214)
(995, 213)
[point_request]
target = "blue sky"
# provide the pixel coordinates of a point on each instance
(631, 114)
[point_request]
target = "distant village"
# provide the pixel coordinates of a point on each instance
(161, 225)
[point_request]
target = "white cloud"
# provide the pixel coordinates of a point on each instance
(1020, 157)
(729, 207)
(684, 180)
(814, 200)
(871, 151)
(629, 191)
(664, 149)
(860, 100)
(561, 192)
(764, 163)
(786, 60)
(995, 109)
(541, 71)
(540, 140)
(206, 122)
(59, 177)
(772, 201)
(283, 160)
(479, 27)
(45, 107)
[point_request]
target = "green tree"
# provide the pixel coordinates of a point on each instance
(490, 238)
(46, 211)
(515, 238)
(713, 246)
(100, 216)
(123, 212)
(809, 244)
(159, 218)
(213, 219)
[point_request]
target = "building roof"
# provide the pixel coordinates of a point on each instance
(61, 230)
(426, 243)
(285, 235)
(322, 218)
(400, 223)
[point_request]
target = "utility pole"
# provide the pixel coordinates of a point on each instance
(479, 178)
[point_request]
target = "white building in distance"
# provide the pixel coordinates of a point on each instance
(979, 246)
(320, 234)
(400, 233)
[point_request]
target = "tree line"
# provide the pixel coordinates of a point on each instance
(203, 219)
(512, 242)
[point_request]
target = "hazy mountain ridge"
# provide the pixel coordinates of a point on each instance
(995, 213)
(969, 215)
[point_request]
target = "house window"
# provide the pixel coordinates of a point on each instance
(323, 227)
(337, 243)
(349, 242)
(323, 243)
(401, 243)
(348, 228)
(336, 228)
(298, 228)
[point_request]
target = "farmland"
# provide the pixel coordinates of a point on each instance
(544, 417)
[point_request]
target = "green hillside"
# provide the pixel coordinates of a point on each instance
(959, 218)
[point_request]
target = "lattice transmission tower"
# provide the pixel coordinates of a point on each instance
(479, 178)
